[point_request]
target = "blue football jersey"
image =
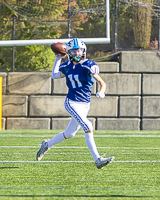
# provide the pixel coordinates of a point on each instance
(79, 79)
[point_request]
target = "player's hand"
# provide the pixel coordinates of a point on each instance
(60, 55)
(100, 94)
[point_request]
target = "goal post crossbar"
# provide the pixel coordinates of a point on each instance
(50, 41)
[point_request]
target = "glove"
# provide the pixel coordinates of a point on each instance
(100, 94)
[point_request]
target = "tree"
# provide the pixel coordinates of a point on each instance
(30, 58)
(142, 25)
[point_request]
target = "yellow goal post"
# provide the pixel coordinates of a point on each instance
(1, 79)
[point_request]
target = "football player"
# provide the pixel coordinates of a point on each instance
(80, 74)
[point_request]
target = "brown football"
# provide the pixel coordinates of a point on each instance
(59, 48)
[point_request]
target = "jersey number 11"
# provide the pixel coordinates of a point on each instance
(74, 79)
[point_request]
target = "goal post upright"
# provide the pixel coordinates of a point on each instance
(107, 20)
(1, 79)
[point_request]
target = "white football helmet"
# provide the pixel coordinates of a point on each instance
(73, 45)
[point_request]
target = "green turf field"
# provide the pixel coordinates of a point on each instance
(67, 171)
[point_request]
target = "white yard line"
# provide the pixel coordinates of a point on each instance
(80, 132)
(50, 136)
(76, 147)
(82, 161)
(70, 153)
(66, 153)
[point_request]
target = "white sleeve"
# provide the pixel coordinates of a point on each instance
(55, 71)
(95, 69)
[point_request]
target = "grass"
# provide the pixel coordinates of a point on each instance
(135, 173)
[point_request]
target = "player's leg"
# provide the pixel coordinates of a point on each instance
(100, 161)
(70, 131)
(79, 112)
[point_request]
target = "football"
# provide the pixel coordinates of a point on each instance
(59, 48)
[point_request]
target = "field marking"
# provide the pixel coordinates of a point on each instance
(79, 132)
(73, 147)
(73, 161)
(70, 153)
(80, 187)
(45, 136)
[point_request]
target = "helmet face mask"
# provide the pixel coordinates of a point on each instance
(76, 50)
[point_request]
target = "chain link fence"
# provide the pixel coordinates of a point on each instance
(134, 25)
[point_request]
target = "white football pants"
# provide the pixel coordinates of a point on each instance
(78, 112)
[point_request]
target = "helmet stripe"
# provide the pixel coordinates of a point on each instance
(76, 46)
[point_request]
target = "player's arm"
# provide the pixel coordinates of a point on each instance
(55, 71)
(102, 84)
